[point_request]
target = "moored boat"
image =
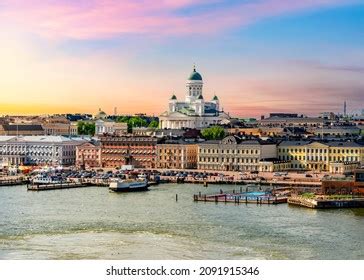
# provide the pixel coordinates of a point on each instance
(129, 185)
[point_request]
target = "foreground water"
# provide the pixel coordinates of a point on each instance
(93, 223)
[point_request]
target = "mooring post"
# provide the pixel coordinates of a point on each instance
(176, 197)
(225, 198)
(268, 199)
(221, 191)
(246, 200)
(257, 200)
(241, 189)
(216, 198)
(238, 199)
(199, 194)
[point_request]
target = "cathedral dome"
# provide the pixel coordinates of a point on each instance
(195, 76)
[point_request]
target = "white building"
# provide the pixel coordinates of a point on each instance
(110, 127)
(194, 112)
(38, 150)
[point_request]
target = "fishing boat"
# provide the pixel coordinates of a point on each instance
(129, 185)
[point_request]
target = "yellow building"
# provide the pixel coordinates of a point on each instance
(318, 156)
(176, 154)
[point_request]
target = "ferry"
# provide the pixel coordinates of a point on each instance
(129, 185)
(45, 179)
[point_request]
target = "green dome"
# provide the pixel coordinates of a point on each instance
(215, 98)
(173, 97)
(200, 97)
(195, 76)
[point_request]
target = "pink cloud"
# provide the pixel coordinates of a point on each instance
(95, 19)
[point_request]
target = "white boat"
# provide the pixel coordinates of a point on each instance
(45, 179)
(129, 185)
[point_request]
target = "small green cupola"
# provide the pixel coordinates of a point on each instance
(174, 97)
(200, 97)
(215, 98)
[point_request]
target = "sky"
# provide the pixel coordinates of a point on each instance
(257, 56)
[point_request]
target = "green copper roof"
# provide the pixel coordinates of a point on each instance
(215, 98)
(200, 97)
(173, 97)
(195, 76)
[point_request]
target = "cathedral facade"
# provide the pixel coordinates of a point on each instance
(194, 111)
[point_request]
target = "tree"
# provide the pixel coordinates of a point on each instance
(153, 124)
(213, 133)
(86, 128)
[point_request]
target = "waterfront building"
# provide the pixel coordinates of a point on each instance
(103, 126)
(343, 167)
(139, 151)
(194, 111)
(176, 154)
(88, 155)
(273, 165)
(317, 156)
(38, 150)
(234, 154)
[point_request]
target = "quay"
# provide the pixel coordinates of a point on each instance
(73, 185)
(13, 182)
(241, 198)
(326, 202)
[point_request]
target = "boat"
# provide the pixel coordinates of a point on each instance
(45, 179)
(129, 185)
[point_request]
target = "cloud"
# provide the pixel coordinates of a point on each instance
(98, 19)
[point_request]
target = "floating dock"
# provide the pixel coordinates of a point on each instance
(317, 203)
(238, 198)
(56, 186)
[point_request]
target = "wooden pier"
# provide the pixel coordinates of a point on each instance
(56, 186)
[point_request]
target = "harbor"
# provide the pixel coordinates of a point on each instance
(93, 223)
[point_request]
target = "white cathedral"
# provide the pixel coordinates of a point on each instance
(194, 112)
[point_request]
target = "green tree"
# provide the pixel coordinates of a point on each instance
(86, 128)
(213, 133)
(153, 124)
(137, 122)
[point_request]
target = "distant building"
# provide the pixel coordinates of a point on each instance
(103, 126)
(21, 129)
(38, 150)
(194, 112)
(285, 121)
(234, 154)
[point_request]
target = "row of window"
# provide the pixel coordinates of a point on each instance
(319, 151)
(320, 158)
(228, 160)
(229, 151)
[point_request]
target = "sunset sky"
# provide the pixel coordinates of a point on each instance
(258, 56)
